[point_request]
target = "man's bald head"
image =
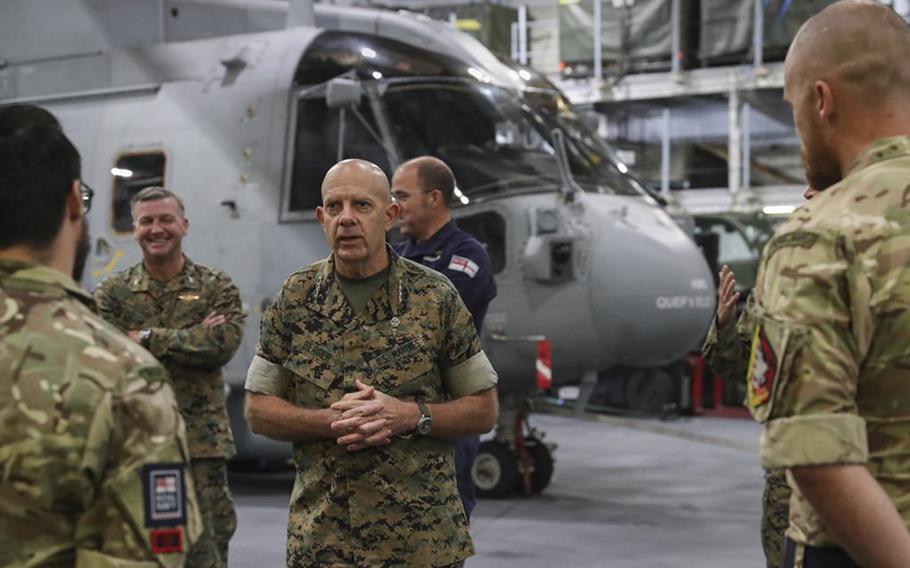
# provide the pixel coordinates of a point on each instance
(359, 173)
(860, 46)
(432, 173)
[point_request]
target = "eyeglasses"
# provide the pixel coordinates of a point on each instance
(87, 194)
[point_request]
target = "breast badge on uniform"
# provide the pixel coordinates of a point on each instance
(462, 264)
(165, 506)
(165, 498)
(762, 369)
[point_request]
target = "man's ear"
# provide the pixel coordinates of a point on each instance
(74, 202)
(391, 215)
(824, 100)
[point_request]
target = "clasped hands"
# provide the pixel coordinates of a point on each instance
(368, 417)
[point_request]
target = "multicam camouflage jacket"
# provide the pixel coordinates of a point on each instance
(88, 423)
(394, 505)
(831, 352)
(193, 354)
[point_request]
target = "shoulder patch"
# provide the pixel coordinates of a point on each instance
(802, 239)
(462, 264)
(762, 369)
(165, 496)
(167, 541)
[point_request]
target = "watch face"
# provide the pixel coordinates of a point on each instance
(424, 425)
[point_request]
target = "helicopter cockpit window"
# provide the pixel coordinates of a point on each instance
(494, 142)
(323, 137)
(489, 228)
(133, 173)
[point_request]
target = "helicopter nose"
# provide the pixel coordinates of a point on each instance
(652, 290)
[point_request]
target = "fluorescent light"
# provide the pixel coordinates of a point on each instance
(464, 200)
(622, 167)
(458, 192)
(778, 209)
(377, 75)
(367, 52)
(478, 74)
(524, 75)
(121, 172)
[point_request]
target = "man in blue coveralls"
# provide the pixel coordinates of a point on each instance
(424, 188)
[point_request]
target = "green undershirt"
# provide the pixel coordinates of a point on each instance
(358, 291)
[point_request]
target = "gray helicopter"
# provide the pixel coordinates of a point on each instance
(241, 107)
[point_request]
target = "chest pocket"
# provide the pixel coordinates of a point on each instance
(190, 308)
(316, 366)
(407, 370)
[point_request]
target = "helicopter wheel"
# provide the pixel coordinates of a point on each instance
(495, 471)
(541, 462)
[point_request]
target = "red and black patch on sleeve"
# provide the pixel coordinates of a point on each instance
(167, 541)
(762, 369)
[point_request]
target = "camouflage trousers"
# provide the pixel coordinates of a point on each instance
(775, 516)
(218, 515)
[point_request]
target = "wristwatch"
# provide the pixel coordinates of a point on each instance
(425, 423)
(144, 335)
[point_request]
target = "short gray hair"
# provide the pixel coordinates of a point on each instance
(155, 193)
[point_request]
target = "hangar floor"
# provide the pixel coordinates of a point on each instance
(625, 493)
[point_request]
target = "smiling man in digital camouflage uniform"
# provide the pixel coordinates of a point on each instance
(190, 317)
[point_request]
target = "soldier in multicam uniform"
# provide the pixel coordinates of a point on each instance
(92, 445)
(830, 353)
(726, 351)
(370, 364)
(190, 318)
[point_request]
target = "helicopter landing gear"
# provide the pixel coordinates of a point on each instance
(516, 460)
